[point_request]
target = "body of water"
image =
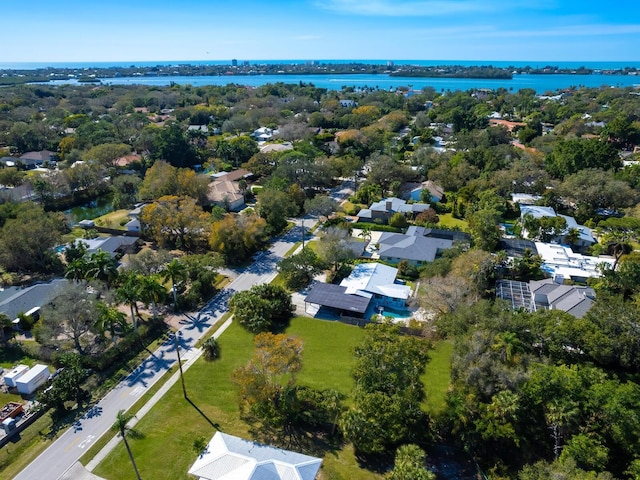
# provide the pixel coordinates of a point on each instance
(96, 208)
(595, 65)
(540, 83)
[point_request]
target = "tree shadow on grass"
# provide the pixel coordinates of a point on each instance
(213, 424)
(317, 443)
(378, 463)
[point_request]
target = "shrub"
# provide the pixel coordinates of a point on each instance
(211, 349)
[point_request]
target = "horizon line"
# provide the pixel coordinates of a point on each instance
(271, 60)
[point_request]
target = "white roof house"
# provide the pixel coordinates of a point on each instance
(585, 237)
(560, 261)
(377, 279)
(231, 458)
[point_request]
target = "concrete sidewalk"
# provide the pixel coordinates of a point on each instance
(188, 359)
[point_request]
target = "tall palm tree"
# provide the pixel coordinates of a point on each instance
(124, 430)
(109, 319)
(129, 292)
(174, 271)
(151, 291)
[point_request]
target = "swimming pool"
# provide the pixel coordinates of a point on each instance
(393, 313)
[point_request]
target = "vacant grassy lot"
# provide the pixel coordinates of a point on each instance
(171, 427)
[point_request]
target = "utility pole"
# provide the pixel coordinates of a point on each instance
(175, 338)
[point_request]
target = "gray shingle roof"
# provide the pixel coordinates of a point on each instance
(21, 300)
(411, 247)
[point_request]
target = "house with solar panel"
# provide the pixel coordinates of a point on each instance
(371, 288)
(546, 295)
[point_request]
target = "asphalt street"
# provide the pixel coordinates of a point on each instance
(71, 445)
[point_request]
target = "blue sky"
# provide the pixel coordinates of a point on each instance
(144, 30)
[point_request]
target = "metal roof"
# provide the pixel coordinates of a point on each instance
(233, 458)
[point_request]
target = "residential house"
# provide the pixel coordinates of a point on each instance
(225, 189)
(16, 300)
(276, 147)
(546, 295)
(32, 160)
(369, 287)
(232, 458)
(263, 134)
(198, 129)
(584, 235)
(562, 263)
(112, 245)
(346, 103)
(510, 126)
(383, 210)
(523, 199)
(412, 246)
(133, 225)
(436, 192)
(379, 281)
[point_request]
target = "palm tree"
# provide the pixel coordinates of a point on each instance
(174, 271)
(151, 291)
(76, 270)
(102, 266)
(129, 292)
(211, 349)
(509, 345)
(124, 430)
(109, 319)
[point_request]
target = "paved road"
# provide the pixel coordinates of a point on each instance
(71, 445)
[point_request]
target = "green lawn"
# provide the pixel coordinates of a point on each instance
(437, 376)
(75, 233)
(447, 220)
(172, 425)
(16, 456)
(114, 219)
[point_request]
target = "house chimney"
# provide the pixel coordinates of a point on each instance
(388, 205)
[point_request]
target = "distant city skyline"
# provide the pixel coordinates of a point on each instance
(159, 30)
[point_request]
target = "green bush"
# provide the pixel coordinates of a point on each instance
(211, 349)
